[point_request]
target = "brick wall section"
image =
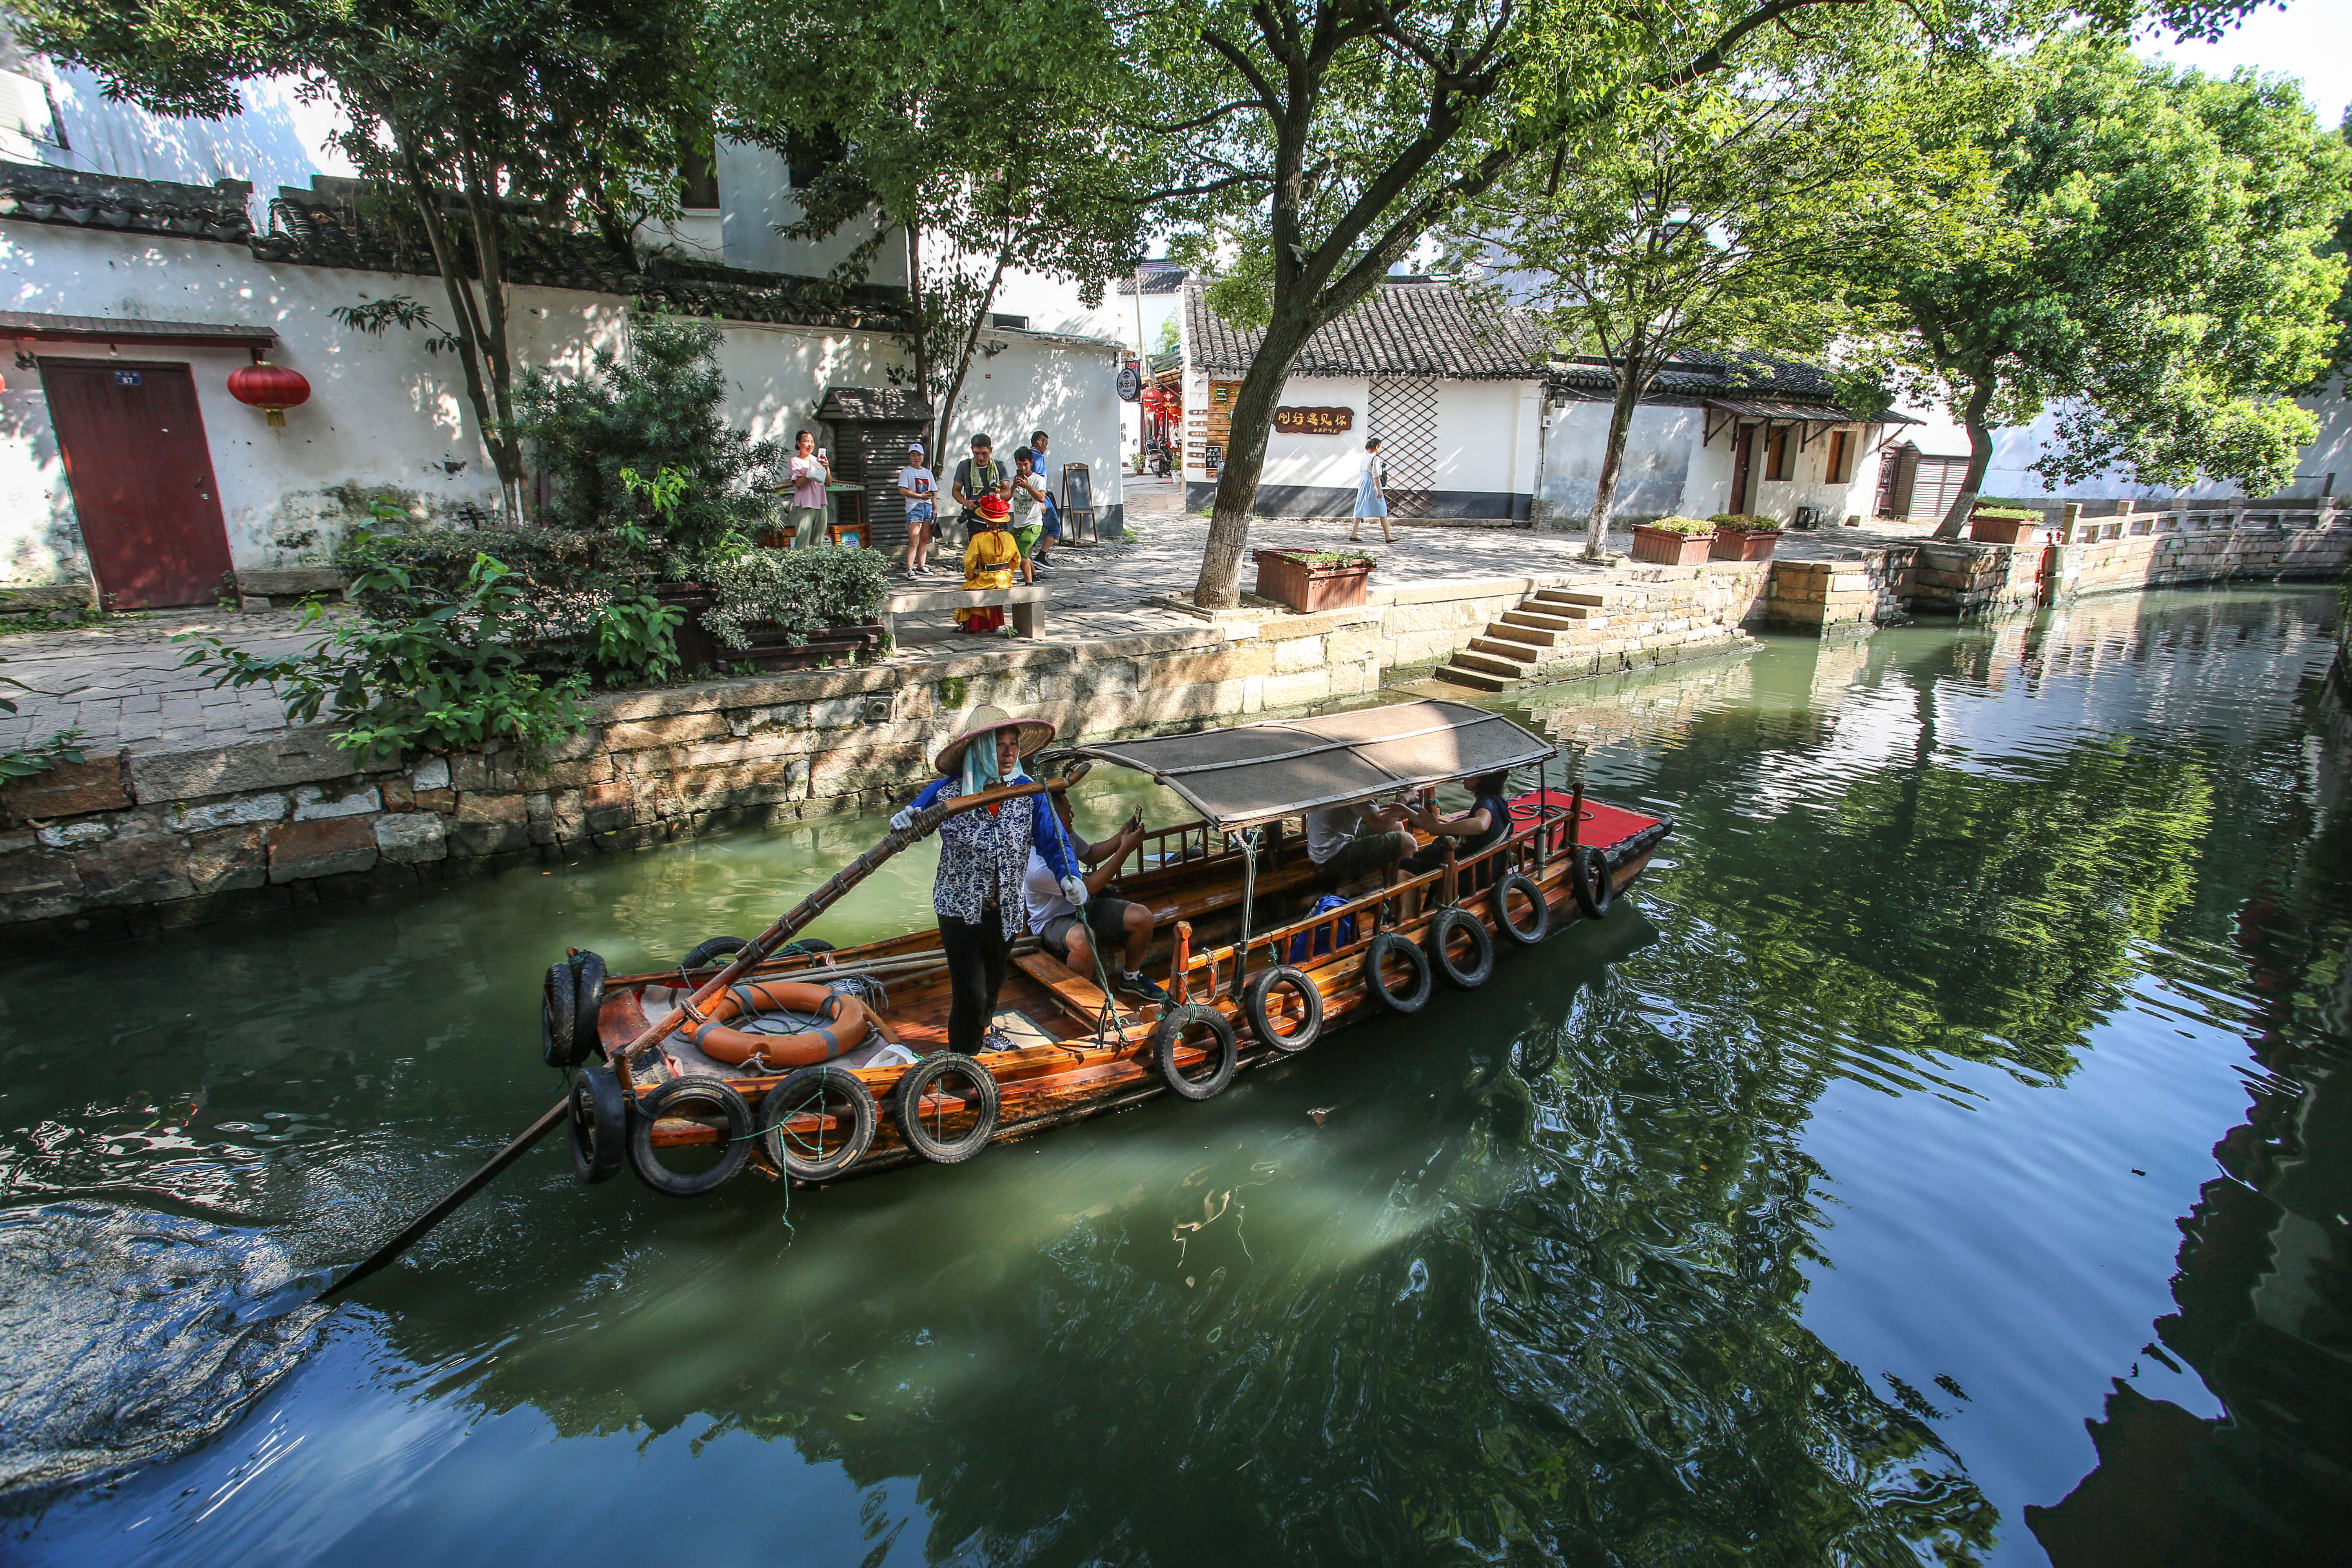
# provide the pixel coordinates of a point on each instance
(142, 841)
(1827, 598)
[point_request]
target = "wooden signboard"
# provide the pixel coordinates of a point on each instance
(1315, 421)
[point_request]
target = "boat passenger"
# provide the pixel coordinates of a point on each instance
(1123, 928)
(982, 855)
(1480, 827)
(1348, 842)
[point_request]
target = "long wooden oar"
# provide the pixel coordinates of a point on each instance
(925, 824)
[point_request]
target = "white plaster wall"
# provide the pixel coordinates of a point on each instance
(755, 192)
(385, 413)
(1809, 483)
(1067, 389)
(1486, 436)
(1330, 462)
(1661, 451)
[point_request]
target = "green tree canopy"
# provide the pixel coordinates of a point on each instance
(2166, 289)
(970, 137)
(1719, 219)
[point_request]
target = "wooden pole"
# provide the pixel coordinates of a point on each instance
(815, 904)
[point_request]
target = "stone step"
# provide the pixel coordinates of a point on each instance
(1539, 605)
(1477, 679)
(1528, 635)
(1488, 663)
(1517, 652)
(1534, 622)
(1592, 597)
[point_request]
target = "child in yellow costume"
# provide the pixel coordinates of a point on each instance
(989, 562)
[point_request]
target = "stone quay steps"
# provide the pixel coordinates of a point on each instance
(1552, 624)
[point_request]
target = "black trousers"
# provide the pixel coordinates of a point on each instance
(978, 955)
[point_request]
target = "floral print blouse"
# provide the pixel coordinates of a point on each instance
(984, 855)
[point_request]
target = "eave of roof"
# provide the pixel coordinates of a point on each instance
(1404, 328)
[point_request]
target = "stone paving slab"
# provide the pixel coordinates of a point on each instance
(123, 686)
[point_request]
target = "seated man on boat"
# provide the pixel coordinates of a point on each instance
(1348, 842)
(1120, 927)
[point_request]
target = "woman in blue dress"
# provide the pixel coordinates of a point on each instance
(1371, 495)
(983, 857)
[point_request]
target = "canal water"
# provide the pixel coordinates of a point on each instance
(1944, 1154)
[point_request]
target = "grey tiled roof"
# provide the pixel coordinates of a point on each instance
(1408, 326)
(330, 228)
(1702, 375)
(37, 194)
(1159, 280)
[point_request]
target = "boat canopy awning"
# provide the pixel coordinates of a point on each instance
(1255, 772)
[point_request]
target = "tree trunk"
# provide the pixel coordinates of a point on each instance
(935, 433)
(1613, 458)
(1973, 415)
(971, 344)
(470, 332)
(1219, 587)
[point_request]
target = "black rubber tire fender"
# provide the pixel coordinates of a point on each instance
(709, 947)
(558, 1016)
(1255, 996)
(1438, 943)
(1174, 1025)
(599, 1125)
(905, 1108)
(1594, 883)
(695, 1089)
(588, 981)
(821, 1161)
(1540, 922)
(1404, 1003)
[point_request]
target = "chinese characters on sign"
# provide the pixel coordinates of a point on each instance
(1316, 421)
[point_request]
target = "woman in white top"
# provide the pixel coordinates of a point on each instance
(810, 473)
(919, 488)
(1371, 495)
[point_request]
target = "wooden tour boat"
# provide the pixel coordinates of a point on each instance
(1252, 974)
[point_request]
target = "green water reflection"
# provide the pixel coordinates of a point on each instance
(1785, 1217)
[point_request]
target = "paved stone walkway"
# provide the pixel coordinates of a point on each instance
(121, 684)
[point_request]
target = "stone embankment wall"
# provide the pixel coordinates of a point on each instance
(2172, 559)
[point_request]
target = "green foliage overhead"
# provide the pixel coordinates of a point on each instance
(2163, 288)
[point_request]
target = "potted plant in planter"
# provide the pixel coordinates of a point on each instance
(2005, 525)
(794, 609)
(1314, 579)
(1742, 536)
(1673, 541)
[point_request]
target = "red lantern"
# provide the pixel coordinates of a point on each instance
(268, 386)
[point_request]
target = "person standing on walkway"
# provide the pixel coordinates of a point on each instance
(978, 893)
(919, 489)
(1036, 450)
(1030, 509)
(978, 475)
(812, 471)
(1371, 495)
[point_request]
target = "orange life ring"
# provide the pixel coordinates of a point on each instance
(844, 1025)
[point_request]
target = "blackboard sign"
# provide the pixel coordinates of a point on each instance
(1077, 488)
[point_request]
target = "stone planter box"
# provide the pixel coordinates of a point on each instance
(1664, 547)
(835, 644)
(1289, 577)
(2004, 531)
(1745, 544)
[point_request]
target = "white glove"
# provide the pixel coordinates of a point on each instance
(1075, 889)
(904, 820)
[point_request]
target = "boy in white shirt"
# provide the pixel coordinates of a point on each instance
(1070, 933)
(919, 488)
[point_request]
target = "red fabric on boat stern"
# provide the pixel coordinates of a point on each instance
(1604, 825)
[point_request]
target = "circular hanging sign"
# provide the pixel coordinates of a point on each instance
(1131, 384)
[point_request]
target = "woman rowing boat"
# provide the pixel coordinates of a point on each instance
(983, 855)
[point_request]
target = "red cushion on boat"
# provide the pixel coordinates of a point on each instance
(1604, 825)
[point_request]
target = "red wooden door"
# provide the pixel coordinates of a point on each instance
(1743, 463)
(142, 478)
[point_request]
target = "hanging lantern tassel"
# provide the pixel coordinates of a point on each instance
(270, 388)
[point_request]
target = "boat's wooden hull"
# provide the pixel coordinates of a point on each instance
(1089, 1071)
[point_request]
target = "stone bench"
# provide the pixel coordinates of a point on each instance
(1025, 604)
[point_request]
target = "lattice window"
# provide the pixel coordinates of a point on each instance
(1403, 415)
